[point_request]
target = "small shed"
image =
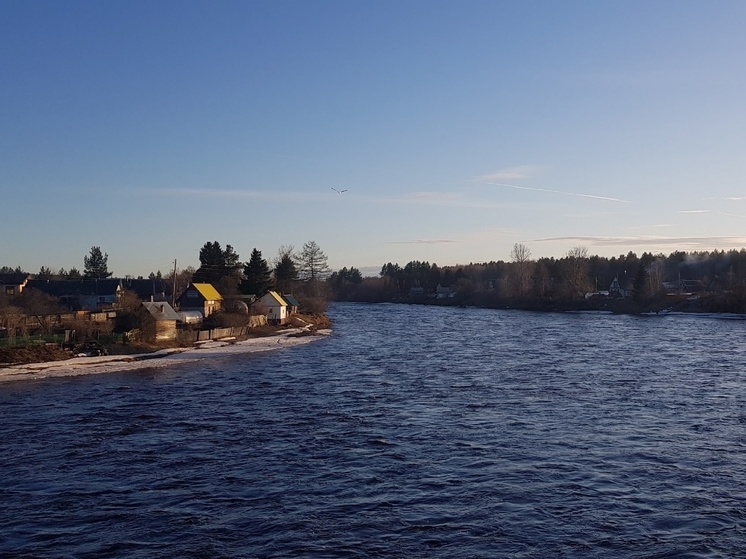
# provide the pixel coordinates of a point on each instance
(292, 302)
(159, 321)
(202, 297)
(277, 307)
(190, 317)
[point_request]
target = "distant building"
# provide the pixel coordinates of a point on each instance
(444, 291)
(293, 304)
(683, 287)
(190, 317)
(13, 284)
(87, 295)
(616, 289)
(154, 289)
(417, 292)
(159, 321)
(202, 297)
(276, 306)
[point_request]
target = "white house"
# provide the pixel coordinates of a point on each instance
(277, 307)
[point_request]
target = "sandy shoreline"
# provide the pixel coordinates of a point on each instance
(163, 358)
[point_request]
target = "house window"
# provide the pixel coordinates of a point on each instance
(10, 290)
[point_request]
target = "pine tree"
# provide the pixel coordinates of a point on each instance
(640, 284)
(257, 275)
(45, 273)
(217, 264)
(285, 272)
(95, 266)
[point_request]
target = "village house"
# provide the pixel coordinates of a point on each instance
(683, 287)
(13, 284)
(154, 289)
(616, 289)
(159, 321)
(202, 297)
(444, 291)
(87, 295)
(276, 307)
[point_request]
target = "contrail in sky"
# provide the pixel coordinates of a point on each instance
(607, 198)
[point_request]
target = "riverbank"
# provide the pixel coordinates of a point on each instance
(162, 358)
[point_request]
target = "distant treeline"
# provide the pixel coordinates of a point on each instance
(708, 281)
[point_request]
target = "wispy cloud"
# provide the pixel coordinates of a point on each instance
(726, 198)
(726, 214)
(653, 226)
(512, 173)
(423, 242)
(237, 194)
(434, 197)
(631, 241)
(521, 172)
(446, 199)
(547, 190)
(592, 214)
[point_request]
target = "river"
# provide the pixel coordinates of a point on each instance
(412, 432)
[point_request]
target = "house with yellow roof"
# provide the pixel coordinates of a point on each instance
(202, 297)
(276, 307)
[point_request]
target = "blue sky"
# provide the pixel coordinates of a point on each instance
(457, 129)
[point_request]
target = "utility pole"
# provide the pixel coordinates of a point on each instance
(173, 287)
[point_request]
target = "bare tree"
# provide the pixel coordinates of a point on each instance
(576, 271)
(12, 318)
(521, 257)
(656, 272)
(42, 307)
(313, 269)
(312, 263)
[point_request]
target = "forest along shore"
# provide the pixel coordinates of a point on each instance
(161, 358)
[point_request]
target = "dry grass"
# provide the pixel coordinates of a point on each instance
(33, 354)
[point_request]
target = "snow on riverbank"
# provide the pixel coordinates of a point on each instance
(162, 358)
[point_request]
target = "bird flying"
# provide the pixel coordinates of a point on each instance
(339, 191)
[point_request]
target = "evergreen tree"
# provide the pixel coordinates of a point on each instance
(257, 275)
(45, 273)
(640, 283)
(95, 265)
(217, 264)
(9, 270)
(285, 272)
(355, 276)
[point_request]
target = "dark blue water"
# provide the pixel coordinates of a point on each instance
(410, 432)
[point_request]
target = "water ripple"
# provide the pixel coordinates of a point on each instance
(410, 432)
